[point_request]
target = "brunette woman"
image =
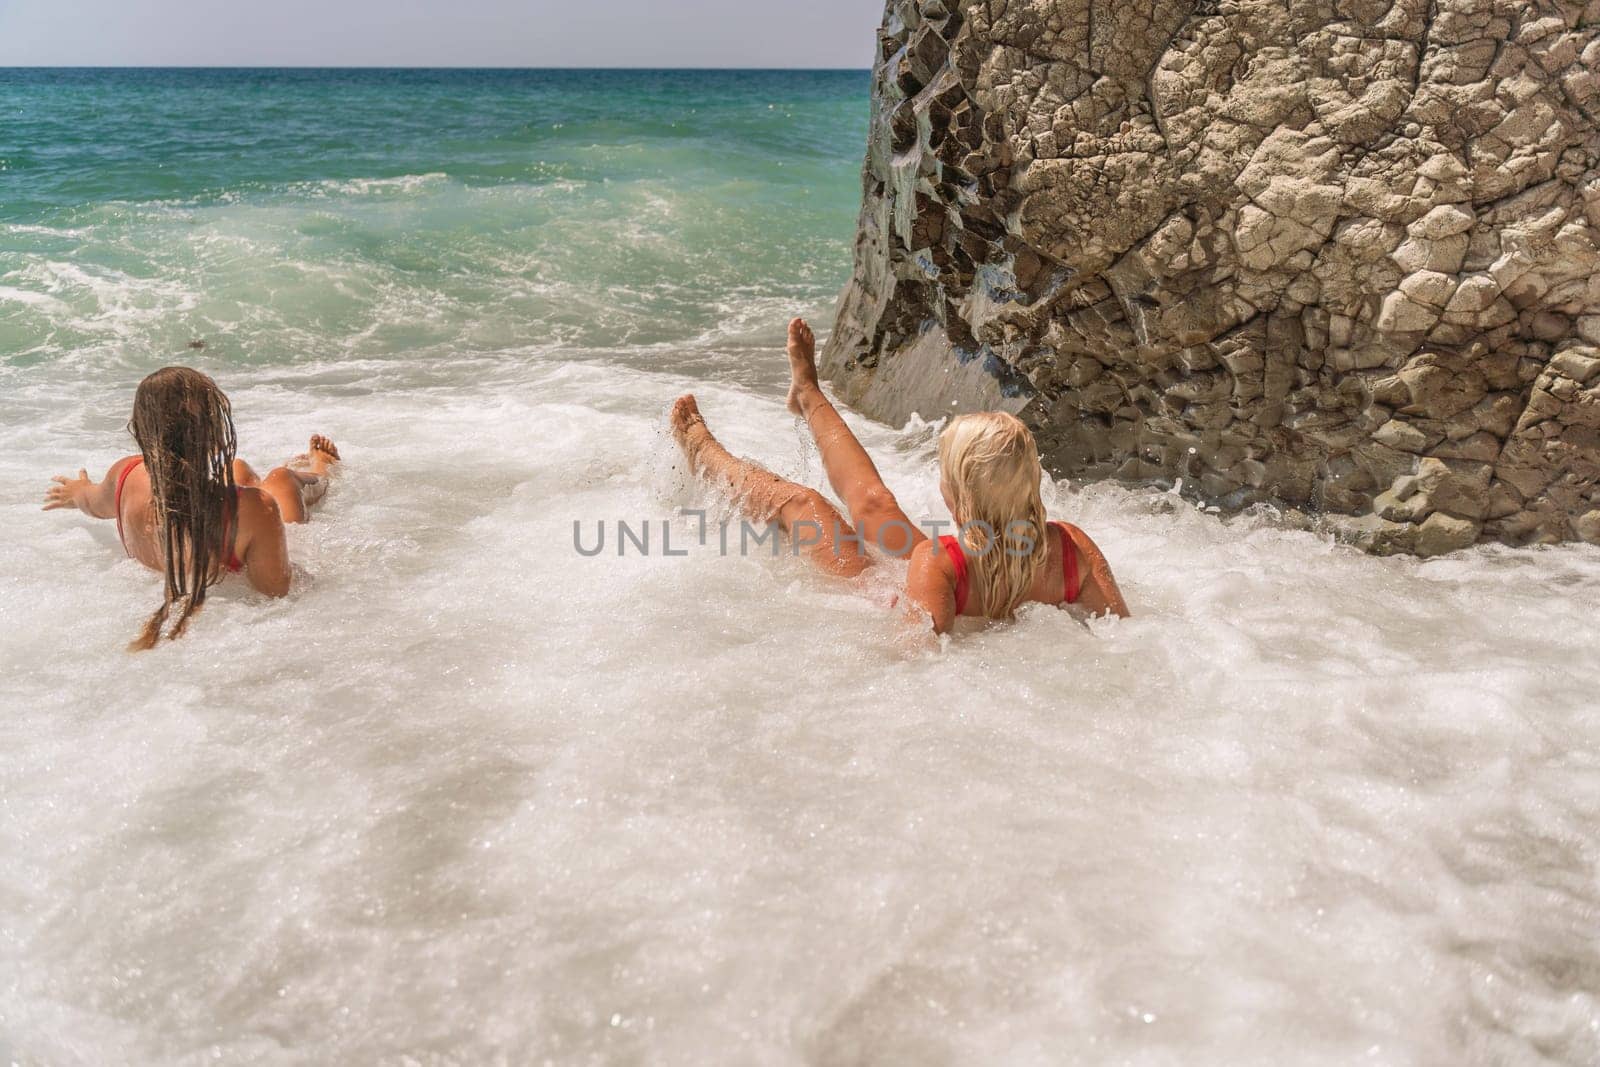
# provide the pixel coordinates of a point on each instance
(187, 507)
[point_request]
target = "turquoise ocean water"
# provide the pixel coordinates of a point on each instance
(307, 214)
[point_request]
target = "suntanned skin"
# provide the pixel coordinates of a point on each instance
(285, 495)
(765, 497)
(931, 575)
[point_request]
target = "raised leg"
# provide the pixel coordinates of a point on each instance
(851, 472)
(764, 497)
(302, 483)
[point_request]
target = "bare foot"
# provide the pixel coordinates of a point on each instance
(703, 451)
(688, 426)
(802, 364)
(310, 468)
(321, 454)
(324, 445)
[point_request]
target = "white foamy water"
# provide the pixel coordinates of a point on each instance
(466, 796)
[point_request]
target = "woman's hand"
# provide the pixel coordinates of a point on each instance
(96, 499)
(67, 492)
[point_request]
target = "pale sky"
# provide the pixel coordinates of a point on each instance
(444, 33)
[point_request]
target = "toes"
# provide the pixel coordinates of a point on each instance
(685, 412)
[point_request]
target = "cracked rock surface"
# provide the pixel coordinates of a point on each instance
(1342, 254)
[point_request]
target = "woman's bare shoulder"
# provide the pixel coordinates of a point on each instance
(1085, 544)
(929, 556)
(121, 467)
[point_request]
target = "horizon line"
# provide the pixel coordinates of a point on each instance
(418, 67)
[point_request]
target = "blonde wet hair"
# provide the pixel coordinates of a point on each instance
(990, 472)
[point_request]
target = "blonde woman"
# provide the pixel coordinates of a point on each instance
(1005, 553)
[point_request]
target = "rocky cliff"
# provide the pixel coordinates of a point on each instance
(1335, 253)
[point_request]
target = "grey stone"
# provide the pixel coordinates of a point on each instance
(1420, 253)
(1392, 506)
(1579, 367)
(1429, 287)
(1446, 220)
(1441, 533)
(1401, 435)
(1278, 250)
(1479, 447)
(1476, 293)
(1588, 526)
(1401, 314)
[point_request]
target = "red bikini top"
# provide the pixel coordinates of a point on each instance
(227, 528)
(1069, 569)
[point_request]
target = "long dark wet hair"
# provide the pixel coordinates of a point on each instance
(184, 426)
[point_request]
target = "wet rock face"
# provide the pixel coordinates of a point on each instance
(1343, 254)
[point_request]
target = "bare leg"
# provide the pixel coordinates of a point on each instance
(851, 471)
(764, 497)
(302, 483)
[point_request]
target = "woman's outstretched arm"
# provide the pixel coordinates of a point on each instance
(96, 499)
(931, 584)
(261, 543)
(1100, 594)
